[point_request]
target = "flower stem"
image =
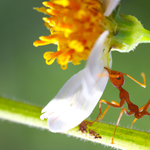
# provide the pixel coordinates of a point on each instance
(23, 113)
(20, 112)
(146, 36)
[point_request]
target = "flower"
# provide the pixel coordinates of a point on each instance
(74, 25)
(78, 97)
(84, 29)
(80, 94)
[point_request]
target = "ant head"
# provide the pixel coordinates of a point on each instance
(116, 78)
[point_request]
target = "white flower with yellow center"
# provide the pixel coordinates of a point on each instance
(81, 93)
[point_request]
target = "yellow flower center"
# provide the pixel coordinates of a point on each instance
(74, 26)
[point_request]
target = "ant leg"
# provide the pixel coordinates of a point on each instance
(109, 74)
(145, 107)
(112, 103)
(136, 118)
(143, 76)
(121, 113)
(144, 112)
(133, 122)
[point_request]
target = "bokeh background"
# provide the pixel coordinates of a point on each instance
(24, 76)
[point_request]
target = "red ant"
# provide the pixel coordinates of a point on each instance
(117, 79)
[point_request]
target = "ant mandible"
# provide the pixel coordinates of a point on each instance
(117, 79)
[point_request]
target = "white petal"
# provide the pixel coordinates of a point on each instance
(66, 91)
(69, 107)
(93, 85)
(95, 66)
(66, 110)
(109, 6)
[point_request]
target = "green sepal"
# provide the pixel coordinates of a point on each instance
(128, 32)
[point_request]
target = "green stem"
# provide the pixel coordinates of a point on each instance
(30, 115)
(146, 36)
(21, 113)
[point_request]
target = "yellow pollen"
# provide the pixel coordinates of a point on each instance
(50, 57)
(74, 44)
(64, 3)
(74, 27)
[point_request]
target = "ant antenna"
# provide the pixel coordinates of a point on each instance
(143, 76)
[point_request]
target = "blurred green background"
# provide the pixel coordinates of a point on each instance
(24, 76)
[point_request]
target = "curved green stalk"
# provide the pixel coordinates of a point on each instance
(146, 36)
(30, 115)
